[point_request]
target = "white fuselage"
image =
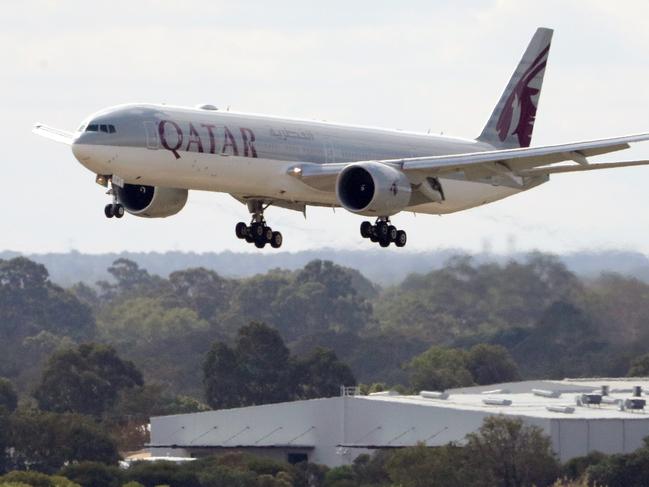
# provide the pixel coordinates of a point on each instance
(248, 155)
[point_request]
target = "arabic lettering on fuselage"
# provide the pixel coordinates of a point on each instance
(206, 138)
(285, 134)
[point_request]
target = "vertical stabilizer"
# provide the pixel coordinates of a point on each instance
(512, 121)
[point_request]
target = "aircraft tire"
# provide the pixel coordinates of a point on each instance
(260, 244)
(381, 230)
(276, 241)
(384, 242)
(401, 239)
(366, 229)
(241, 230)
(392, 233)
(268, 234)
(118, 210)
(108, 211)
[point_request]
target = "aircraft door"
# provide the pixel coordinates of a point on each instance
(151, 131)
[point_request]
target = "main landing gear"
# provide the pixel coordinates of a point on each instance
(258, 232)
(384, 233)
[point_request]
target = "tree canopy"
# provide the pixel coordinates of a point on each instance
(85, 380)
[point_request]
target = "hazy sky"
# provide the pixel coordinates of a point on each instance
(436, 65)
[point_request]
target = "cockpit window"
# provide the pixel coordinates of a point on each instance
(104, 127)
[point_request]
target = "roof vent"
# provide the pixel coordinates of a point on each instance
(605, 390)
(561, 409)
(546, 393)
(206, 107)
(635, 404)
(434, 395)
(493, 401)
(588, 399)
(637, 391)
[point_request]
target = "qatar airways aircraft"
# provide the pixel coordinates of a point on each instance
(150, 156)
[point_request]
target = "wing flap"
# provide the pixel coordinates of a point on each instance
(520, 159)
(542, 171)
(52, 133)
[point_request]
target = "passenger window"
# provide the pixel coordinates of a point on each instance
(92, 128)
(111, 129)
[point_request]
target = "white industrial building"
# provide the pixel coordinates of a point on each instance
(333, 431)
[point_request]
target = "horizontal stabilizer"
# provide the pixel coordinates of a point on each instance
(53, 134)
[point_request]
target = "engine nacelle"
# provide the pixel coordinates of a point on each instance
(373, 189)
(151, 201)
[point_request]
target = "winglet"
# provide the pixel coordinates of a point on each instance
(512, 121)
(53, 134)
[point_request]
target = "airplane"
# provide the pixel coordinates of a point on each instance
(150, 156)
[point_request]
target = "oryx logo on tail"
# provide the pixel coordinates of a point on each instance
(518, 114)
(512, 122)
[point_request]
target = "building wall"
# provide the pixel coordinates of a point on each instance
(334, 431)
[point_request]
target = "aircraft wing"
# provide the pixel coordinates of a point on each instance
(529, 161)
(54, 134)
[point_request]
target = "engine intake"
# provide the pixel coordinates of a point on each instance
(373, 188)
(151, 201)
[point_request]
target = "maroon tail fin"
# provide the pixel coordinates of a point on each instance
(512, 121)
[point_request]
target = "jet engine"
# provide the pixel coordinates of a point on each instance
(150, 201)
(373, 189)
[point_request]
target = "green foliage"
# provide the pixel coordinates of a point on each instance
(440, 368)
(36, 479)
(639, 366)
(463, 298)
(576, 468)
(259, 370)
(46, 441)
(490, 364)
(419, 466)
(152, 474)
(93, 474)
(5, 439)
(8, 396)
(321, 374)
(319, 297)
(623, 470)
(85, 380)
(506, 452)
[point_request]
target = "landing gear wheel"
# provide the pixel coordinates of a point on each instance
(401, 239)
(260, 244)
(118, 210)
(241, 230)
(381, 230)
(108, 211)
(276, 240)
(268, 234)
(257, 230)
(366, 229)
(392, 233)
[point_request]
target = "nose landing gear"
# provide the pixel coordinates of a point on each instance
(258, 232)
(384, 233)
(114, 209)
